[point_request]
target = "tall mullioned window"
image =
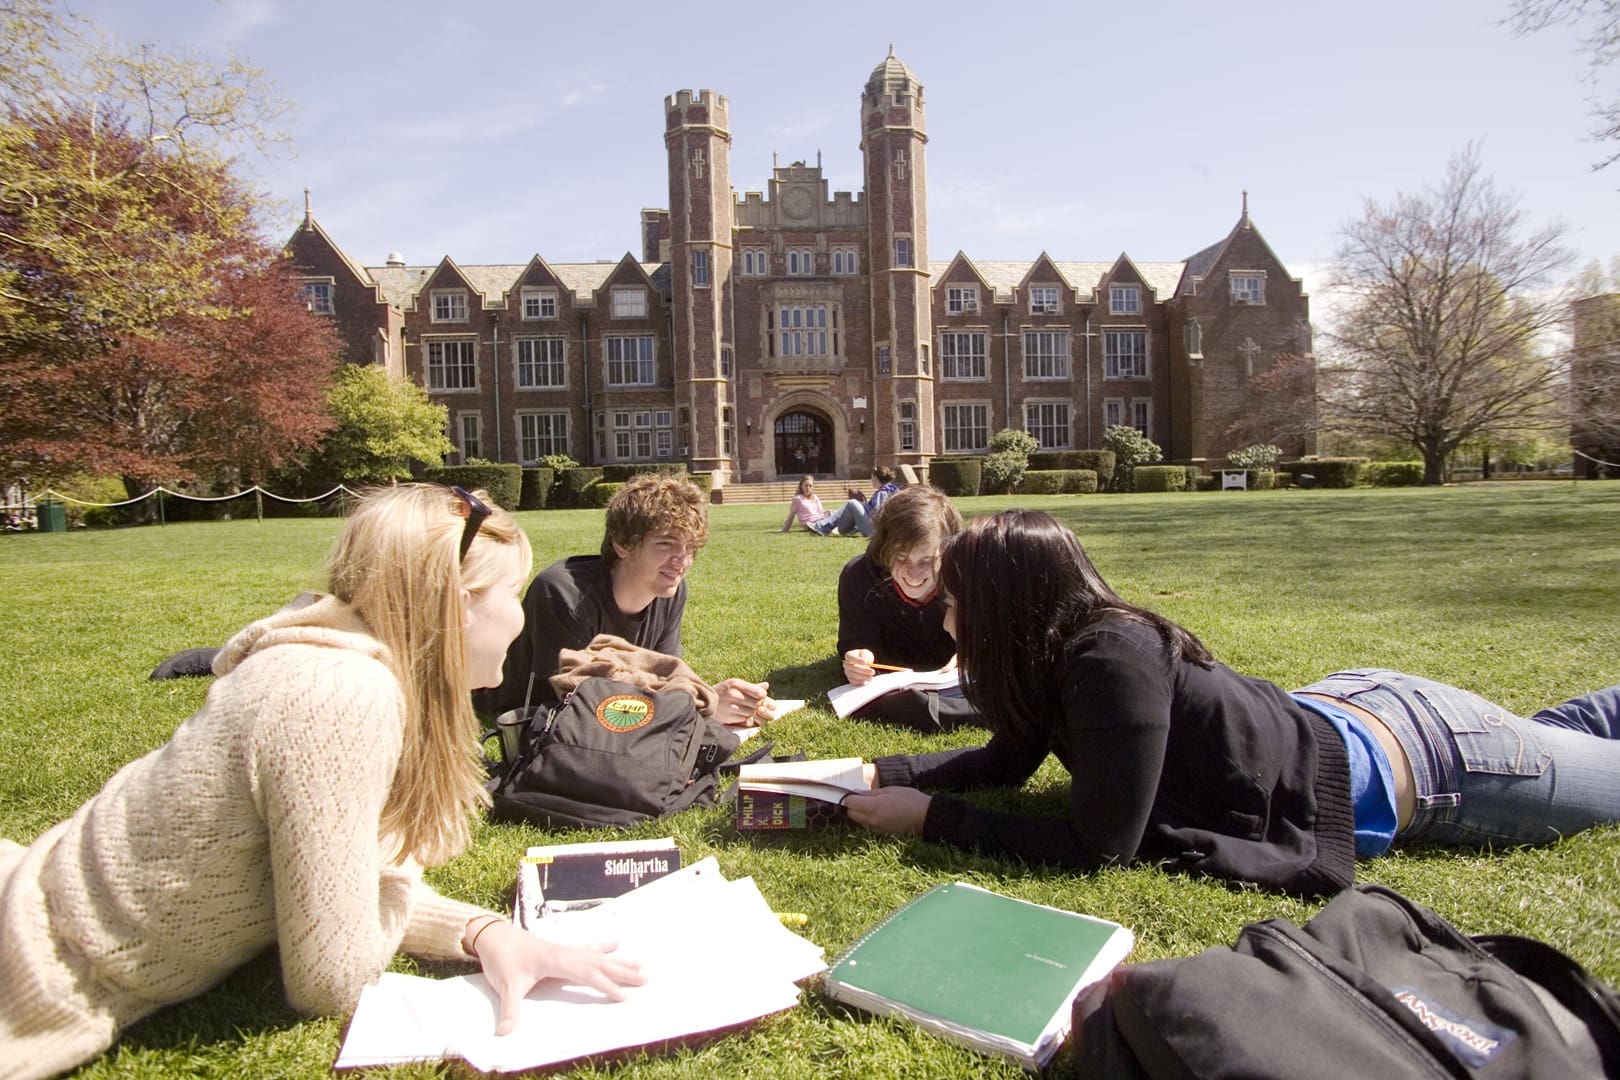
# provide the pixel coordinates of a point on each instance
(1125, 354)
(966, 428)
(908, 425)
(450, 365)
(1046, 354)
(471, 445)
(542, 433)
(630, 360)
(803, 331)
(961, 355)
(318, 297)
(1048, 421)
(700, 269)
(902, 251)
(801, 262)
(540, 363)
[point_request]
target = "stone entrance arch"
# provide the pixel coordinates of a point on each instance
(808, 437)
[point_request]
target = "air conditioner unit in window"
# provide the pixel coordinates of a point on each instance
(970, 306)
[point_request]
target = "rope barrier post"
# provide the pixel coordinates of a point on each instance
(258, 504)
(162, 519)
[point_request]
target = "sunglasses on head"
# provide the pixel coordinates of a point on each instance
(473, 509)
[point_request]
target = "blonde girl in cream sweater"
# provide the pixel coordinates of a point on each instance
(335, 756)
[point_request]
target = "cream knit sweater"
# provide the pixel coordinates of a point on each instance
(255, 824)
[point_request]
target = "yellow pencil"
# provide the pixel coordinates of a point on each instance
(887, 667)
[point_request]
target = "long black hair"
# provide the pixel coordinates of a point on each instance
(1022, 587)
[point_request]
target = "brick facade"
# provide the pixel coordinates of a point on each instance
(768, 334)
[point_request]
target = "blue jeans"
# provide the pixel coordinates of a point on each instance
(1486, 777)
(852, 518)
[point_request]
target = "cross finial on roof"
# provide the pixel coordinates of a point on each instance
(307, 212)
(891, 48)
(1245, 207)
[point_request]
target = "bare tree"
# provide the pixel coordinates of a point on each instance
(1448, 302)
(1600, 22)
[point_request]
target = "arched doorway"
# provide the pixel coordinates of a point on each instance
(804, 444)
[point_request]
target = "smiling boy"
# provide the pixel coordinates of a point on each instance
(635, 589)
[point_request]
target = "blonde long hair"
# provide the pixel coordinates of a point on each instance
(397, 563)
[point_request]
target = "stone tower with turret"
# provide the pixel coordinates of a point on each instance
(893, 137)
(698, 140)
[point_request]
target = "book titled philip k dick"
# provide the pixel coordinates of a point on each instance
(564, 877)
(797, 794)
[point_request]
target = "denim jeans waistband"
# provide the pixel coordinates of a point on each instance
(1390, 696)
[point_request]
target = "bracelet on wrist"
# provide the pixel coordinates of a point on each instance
(470, 945)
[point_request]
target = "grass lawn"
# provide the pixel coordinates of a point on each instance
(1510, 591)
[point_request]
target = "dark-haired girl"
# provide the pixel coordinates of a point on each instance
(1176, 758)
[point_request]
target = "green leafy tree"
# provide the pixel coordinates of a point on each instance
(383, 424)
(1447, 306)
(1131, 448)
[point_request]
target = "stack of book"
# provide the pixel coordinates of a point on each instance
(568, 877)
(797, 794)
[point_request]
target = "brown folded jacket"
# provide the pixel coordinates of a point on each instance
(610, 657)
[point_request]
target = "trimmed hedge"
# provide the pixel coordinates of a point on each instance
(703, 481)
(1194, 475)
(1159, 478)
(1262, 479)
(1326, 472)
(1393, 473)
(1042, 482)
(1059, 482)
(956, 477)
(503, 482)
(599, 493)
(1100, 462)
(573, 483)
(618, 474)
(537, 484)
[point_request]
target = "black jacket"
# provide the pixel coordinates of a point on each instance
(1202, 769)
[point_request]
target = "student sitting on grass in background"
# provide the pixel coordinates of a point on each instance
(635, 589)
(890, 610)
(1176, 758)
(855, 516)
(335, 757)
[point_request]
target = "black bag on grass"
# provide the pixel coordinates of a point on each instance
(613, 754)
(1374, 985)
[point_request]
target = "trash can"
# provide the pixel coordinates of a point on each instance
(51, 515)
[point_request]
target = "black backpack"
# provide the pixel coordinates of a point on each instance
(1374, 985)
(613, 754)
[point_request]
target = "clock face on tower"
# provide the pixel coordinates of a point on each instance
(798, 203)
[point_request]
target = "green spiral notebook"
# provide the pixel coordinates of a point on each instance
(988, 971)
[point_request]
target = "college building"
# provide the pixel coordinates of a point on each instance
(765, 335)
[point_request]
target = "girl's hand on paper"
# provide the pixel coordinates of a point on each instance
(515, 960)
(858, 667)
(898, 810)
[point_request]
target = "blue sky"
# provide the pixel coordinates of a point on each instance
(493, 130)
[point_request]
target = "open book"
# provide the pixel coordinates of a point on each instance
(796, 794)
(849, 697)
(984, 970)
(669, 926)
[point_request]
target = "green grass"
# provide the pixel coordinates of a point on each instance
(1511, 592)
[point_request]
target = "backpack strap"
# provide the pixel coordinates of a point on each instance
(1585, 1011)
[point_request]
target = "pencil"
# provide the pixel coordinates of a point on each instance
(887, 667)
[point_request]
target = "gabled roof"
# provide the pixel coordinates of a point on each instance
(400, 285)
(310, 224)
(1200, 264)
(1004, 276)
(940, 271)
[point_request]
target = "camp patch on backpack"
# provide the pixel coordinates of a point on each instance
(612, 753)
(624, 712)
